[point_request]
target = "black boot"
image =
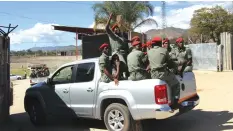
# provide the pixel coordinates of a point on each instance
(175, 104)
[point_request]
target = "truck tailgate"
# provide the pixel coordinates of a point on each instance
(187, 86)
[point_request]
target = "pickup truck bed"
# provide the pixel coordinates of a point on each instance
(79, 91)
(36, 80)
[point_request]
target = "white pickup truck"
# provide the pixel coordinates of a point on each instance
(74, 89)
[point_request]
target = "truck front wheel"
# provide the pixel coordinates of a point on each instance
(36, 113)
(118, 118)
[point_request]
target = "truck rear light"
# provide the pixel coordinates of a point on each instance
(160, 92)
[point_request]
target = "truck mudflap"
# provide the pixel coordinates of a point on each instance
(184, 106)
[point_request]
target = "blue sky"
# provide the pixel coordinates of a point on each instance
(35, 19)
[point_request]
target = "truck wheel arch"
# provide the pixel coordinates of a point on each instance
(33, 96)
(106, 102)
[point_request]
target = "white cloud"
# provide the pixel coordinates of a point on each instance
(157, 9)
(40, 32)
(172, 2)
(181, 17)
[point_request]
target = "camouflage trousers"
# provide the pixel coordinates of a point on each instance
(170, 79)
(135, 76)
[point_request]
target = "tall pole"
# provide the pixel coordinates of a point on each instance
(76, 45)
(164, 22)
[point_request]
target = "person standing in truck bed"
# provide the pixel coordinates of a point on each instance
(105, 65)
(159, 63)
(119, 46)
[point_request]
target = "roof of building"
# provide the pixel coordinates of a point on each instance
(79, 30)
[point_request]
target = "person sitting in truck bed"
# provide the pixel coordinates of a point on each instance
(136, 63)
(105, 65)
(160, 61)
(116, 67)
(33, 74)
(119, 45)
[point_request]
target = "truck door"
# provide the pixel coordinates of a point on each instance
(83, 90)
(60, 82)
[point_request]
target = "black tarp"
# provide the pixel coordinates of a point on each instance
(91, 44)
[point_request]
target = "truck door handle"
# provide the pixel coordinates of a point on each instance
(89, 89)
(65, 91)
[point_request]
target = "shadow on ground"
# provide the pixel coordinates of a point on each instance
(196, 120)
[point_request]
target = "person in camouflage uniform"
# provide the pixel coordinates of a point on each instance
(136, 63)
(148, 44)
(159, 63)
(105, 65)
(119, 46)
(166, 44)
(135, 38)
(45, 71)
(33, 74)
(144, 48)
(184, 56)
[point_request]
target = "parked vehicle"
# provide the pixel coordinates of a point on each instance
(74, 88)
(40, 75)
(15, 77)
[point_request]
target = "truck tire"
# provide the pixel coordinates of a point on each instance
(118, 118)
(36, 113)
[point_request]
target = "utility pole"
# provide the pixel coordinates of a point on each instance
(76, 45)
(164, 21)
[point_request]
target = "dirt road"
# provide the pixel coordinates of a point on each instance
(214, 113)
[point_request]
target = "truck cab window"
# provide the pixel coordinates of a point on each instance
(63, 76)
(85, 72)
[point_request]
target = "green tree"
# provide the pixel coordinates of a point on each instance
(39, 53)
(230, 23)
(133, 13)
(29, 52)
(210, 22)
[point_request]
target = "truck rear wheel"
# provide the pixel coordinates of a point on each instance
(118, 118)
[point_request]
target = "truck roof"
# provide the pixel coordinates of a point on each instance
(81, 61)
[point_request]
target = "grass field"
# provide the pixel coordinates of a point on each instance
(20, 64)
(19, 71)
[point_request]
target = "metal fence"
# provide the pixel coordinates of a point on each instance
(226, 51)
(204, 56)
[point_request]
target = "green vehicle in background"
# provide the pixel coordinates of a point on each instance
(38, 73)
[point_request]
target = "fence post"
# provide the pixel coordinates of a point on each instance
(5, 93)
